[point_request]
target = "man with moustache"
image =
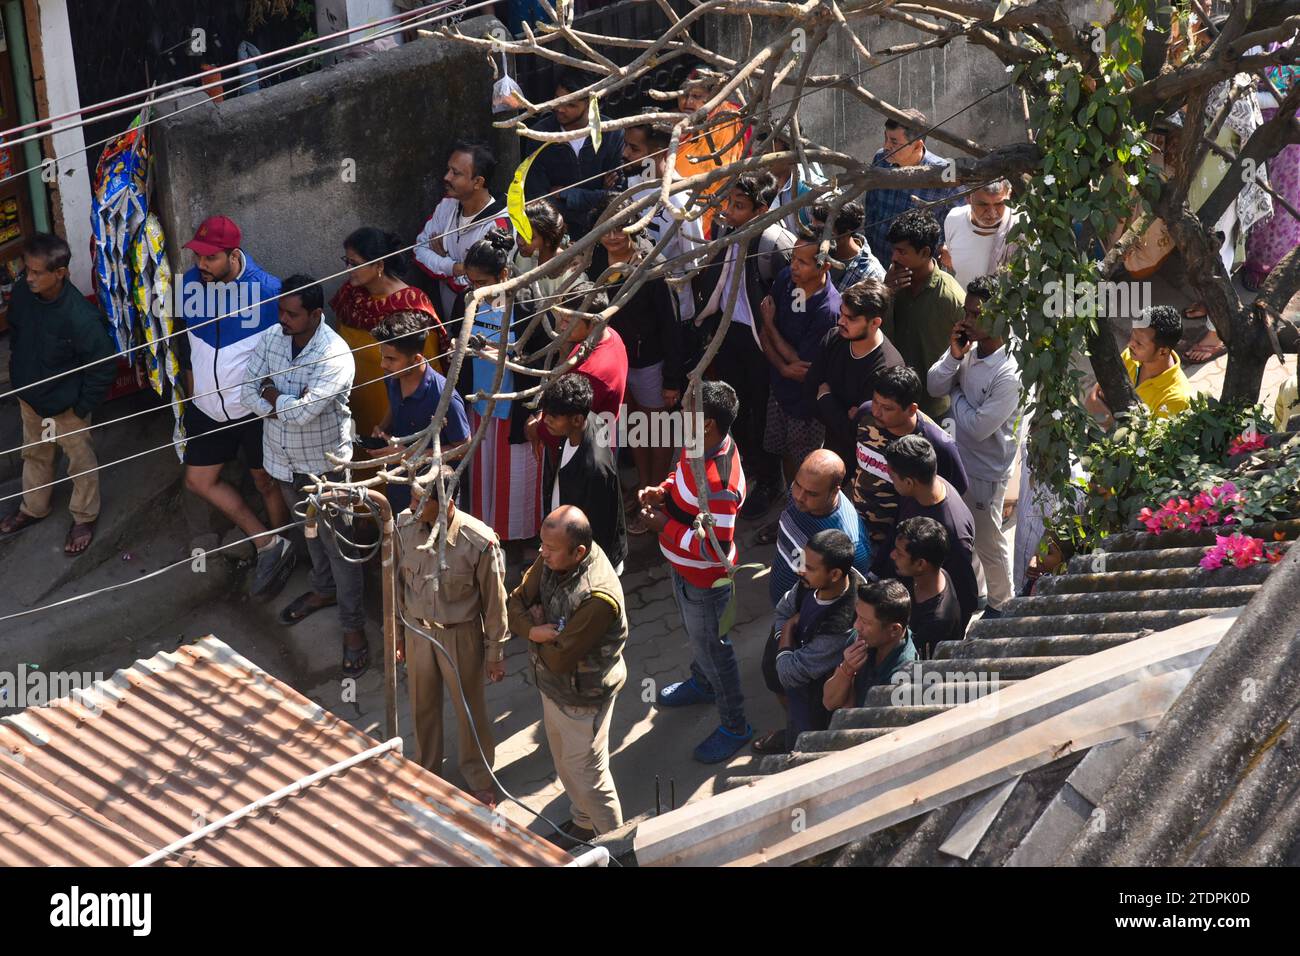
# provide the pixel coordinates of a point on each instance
(465, 215)
(846, 366)
(229, 305)
(59, 352)
(298, 383)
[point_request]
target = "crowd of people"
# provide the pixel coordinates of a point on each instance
(866, 392)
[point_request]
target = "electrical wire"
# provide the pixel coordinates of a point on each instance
(146, 92)
(144, 577)
(284, 292)
(216, 83)
(465, 710)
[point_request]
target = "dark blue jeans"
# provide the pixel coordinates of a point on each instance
(714, 665)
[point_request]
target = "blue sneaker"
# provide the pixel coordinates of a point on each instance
(722, 744)
(684, 694)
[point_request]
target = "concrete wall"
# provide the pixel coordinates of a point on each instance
(275, 161)
(938, 82)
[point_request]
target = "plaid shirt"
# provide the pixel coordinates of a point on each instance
(883, 206)
(862, 266)
(311, 413)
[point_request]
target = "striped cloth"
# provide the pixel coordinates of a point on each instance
(505, 482)
(794, 530)
(691, 555)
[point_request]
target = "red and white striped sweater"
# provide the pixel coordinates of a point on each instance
(691, 554)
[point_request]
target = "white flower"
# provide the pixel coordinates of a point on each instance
(1149, 25)
(1010, 67)
(1049, 75)
(1049, 180)
(1134, 179)
(1062, 59)
(1056, 415)
(1141, 452)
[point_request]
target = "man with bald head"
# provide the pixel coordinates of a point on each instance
(816, 503)
(570, 607)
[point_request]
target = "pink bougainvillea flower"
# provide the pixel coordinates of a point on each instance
(1247, 442)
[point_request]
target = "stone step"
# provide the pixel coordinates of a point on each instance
(1001, 669)
(1107, 623)
(957, 690)
(858, 718)
(775, 763)
(1129, 541)
(1077, 644)
(824, 741)
(1150, 579)
(1108, 562)
(1102, 602)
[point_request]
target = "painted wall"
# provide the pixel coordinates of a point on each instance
(300, 165)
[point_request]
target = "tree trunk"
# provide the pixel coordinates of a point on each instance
(1109, 368)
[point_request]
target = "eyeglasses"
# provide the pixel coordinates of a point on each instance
(350, 264)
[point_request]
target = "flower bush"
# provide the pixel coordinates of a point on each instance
(1239, 550)
(1247, 441)
(1220, 505)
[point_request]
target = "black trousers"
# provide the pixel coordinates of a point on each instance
(742, 365)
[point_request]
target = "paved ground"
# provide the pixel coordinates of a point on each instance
(164, 613)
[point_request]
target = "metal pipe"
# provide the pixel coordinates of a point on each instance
(388, 574)
(394, 743)
(596, 856)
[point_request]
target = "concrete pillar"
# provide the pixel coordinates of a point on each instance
(72, 195)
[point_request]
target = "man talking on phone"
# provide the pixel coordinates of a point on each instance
(982, 381)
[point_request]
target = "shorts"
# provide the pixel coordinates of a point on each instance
(788, 436)
(210, 442)
(646, 385)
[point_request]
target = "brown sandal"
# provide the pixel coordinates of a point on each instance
(79, 538)
(16, 521)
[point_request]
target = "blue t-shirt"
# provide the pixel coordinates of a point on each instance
(414, 412)
(804, 330)
(794, 530)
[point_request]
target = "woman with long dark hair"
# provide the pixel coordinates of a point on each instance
(375, 289)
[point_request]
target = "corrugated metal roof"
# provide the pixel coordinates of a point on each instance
(186, 737)
(1149, 583)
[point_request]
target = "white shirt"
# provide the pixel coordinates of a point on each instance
(975, 249)
(985, 406)
(718, 300)
(570, 449)
(688, 238)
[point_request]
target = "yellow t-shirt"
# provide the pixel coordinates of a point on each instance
(1168, 393)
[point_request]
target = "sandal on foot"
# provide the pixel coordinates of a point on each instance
(773, 743)
(79, 538)
(16, 521)
(769, 534)
(301, 607)
(355, 660)
(637, 525)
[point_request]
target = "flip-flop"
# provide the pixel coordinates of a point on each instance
(1199, 354)
(15, 522)
(83, 534)
(356, 660)
(771, 743)
(301, 608)
(769, 534)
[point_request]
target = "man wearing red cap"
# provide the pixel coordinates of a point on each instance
(228, 304)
